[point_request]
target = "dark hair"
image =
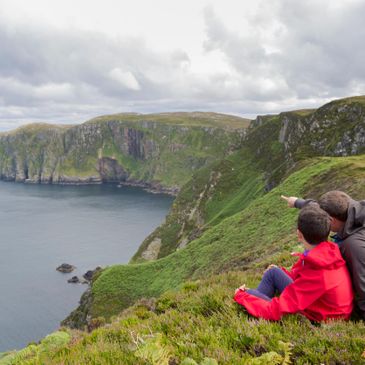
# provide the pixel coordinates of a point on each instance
(336, 204)
(314, 223)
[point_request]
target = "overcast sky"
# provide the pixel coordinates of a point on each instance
(64, 61)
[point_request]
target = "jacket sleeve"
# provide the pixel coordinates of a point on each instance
(300, 203)
(295, 298)
(353, 251)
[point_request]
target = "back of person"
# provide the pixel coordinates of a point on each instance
(318, 285)
(348, 222)
(323, 271)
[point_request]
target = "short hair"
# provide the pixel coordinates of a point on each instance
(336, 204)
(314, 223)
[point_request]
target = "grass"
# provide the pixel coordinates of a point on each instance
(264, 228)
(200, 324)
(202, 119)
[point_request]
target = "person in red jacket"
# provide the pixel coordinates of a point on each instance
(318, 285)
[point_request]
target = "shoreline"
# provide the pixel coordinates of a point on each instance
(149, 187)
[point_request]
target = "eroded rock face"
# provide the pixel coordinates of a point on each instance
(336, 129)
(111, 171)
(137, 152)
(152, 251)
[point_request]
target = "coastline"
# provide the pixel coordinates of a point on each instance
(153, 188)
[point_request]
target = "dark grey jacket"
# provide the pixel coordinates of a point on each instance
(352, 246)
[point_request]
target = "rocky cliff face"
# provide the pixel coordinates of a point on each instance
(336, 129)
(149, 152)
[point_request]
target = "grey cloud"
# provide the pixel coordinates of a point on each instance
(317, 47)
(290, 55)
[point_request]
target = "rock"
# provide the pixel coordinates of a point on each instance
(74, 280)
(66, 268)
(88, 276)
(152, 251)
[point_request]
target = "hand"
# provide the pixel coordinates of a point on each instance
(270, 267)
(242, 287)
(290, 200)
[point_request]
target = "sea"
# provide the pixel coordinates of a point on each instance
(43, 226)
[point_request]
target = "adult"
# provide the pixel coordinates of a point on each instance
(348, 222)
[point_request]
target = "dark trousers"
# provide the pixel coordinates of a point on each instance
(274, 281)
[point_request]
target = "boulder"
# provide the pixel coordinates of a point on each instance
(66, 268)
(74, 280)
(88, 276)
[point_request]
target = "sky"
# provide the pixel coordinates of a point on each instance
(69, 61)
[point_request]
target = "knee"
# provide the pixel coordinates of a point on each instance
(273, 271)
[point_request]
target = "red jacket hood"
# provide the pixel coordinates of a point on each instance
(325, 256)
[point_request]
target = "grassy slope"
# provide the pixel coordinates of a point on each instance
(239, 241)
(224, 187)
(214, 193)
(198, 319)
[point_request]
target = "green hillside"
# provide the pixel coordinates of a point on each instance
(172, 305)
(263, 229)
(195, 318)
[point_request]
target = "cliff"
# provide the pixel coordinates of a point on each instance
(158, 151)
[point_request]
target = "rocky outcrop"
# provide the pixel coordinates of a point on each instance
(66, 268)
(80, 317)
(152, 251)
(123, 149)
(336, 129)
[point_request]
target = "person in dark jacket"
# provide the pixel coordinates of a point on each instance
(318, 285)
(348, 222)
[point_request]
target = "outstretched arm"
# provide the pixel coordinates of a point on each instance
(294, 202)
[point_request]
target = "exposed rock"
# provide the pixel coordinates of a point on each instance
(74, 280)
(111, 171)
(88, 276)
(80, 317)
(117, 149)
(66, 268)
(183, 243)
(153, 249)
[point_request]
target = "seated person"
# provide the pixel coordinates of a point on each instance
(348, 222)
(318, 285)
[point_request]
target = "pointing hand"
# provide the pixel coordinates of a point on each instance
(290, 200)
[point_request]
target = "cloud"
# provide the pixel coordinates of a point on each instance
(295, 49)
(126, 79)
(281, 55)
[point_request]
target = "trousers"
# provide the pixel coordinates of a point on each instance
(273, 281)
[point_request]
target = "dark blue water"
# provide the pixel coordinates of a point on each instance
(42, 226)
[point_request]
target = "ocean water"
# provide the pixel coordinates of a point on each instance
(43, 226)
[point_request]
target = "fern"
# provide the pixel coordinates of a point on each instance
(154, 351)
(268, 358)
(286, 347)
(206, 361)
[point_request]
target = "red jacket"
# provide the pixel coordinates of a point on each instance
(321, 289)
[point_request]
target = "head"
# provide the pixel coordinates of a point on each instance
(313, 225)
(336, 204)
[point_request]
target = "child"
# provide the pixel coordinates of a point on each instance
(318, 285)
